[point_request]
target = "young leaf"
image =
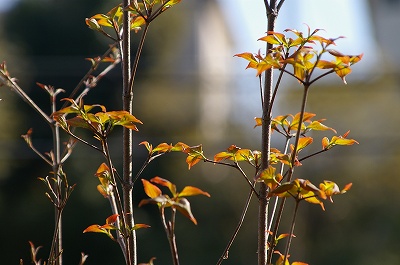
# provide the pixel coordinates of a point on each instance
(165, 183)
(148, 263)
(303, 143)
(138, 226)
(192, 191)
(183, 206)
(162, 148)
(269, 177)
(195, 155)
(150, 189)
(330, 188)
(148, 146)
(318, 126)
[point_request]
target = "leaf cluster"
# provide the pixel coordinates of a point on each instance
(301, 53)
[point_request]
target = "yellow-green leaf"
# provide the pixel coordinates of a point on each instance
(192, 191)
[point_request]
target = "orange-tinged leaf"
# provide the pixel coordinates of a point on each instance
(163, 148)
(247, 56)
(325, 64)
(311, 198)
(258, 122)
(325, 142)
(342, 141)
(94, 229)
(102, 191)
(150, 189)
(148, 146)
(342, 72)
(148, 263)
(299, 263)
(180, 147)
(192, 191)
(221, 156)
(124, 119)
(165, 183)
(112, 219)
(103, 171)
(193, 160)
(243, 155)
(108, 227)
(137, 22)
(272, 39)
(103, 20)
(281, 236)
(330, 188)
(183, 206)
(303, 143)
(282, 190)
(347, 187)
(269, 177)
(195, 154)
(138, 226)
(318, 126)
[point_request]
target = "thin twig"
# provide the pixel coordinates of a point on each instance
(225, 254)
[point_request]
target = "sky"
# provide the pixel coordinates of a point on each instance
(337, 17)
(6, 4)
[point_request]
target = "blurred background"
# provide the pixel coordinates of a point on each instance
(190, 88)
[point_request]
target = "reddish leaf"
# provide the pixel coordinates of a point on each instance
(112, 219)
(95, 229)
(165, 183)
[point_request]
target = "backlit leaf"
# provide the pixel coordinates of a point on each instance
(179, 147)
(318, 126)
(138, 226)
(183, 206)
(150, 189)
(165, 183)
(258, 122)
(162, 148)
(195, 154)
(161, 201)
(270, 178)
(103, 173)
(192, 191)
(303, 143)
(148, 263)
(95, 229)
(325, 142)
(124, 119)
(136, 23)
(112, 219)
(148, 146)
